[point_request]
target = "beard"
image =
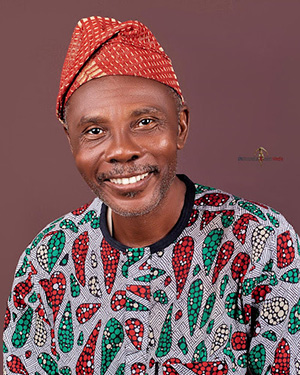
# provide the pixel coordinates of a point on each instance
(159, 193)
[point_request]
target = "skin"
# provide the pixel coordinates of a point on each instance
(119, 127)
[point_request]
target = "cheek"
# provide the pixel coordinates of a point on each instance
(166, 147)
(86, 162)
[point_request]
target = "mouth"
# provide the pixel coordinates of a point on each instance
(128, 180)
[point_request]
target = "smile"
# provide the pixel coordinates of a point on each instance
(129, 180)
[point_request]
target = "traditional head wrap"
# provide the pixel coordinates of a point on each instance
(104, 46)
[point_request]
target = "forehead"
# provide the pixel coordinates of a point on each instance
(122, 92)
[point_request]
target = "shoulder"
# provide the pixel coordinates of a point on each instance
(247, 220)
(209, 198)
(59, 235)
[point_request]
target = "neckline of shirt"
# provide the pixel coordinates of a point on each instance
(172, 235)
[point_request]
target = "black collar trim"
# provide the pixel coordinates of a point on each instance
(172, 235)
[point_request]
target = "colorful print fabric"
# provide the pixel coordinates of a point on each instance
(222, 298)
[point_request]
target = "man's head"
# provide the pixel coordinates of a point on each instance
(124, 131)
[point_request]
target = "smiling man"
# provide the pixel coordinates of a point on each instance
(157, 275)
(124, 133)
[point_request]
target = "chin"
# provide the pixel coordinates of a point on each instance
(132, 212)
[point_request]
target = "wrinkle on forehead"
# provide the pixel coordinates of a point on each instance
(114, 84)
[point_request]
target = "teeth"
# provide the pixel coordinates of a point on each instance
(130, 180)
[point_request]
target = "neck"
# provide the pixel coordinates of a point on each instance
(140, 231)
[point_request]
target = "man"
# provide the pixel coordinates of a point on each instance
(157, 275)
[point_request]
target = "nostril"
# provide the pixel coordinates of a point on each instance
(122, 159)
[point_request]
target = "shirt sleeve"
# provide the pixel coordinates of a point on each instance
(27, 345)
(271, 299)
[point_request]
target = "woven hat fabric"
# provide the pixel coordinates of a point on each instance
(104, 46)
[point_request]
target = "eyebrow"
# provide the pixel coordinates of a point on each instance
(145, 111)
(91, 119)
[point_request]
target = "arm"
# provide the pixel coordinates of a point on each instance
(27, 344)
(272, 289)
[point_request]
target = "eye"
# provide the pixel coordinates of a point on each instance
(95, 131)
(145, 122)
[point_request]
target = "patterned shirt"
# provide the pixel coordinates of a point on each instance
(220, 294)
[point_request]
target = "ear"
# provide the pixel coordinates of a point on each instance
(183, 126)
(66, 130)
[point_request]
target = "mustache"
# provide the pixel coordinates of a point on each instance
(123, 171)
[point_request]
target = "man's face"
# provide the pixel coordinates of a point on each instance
(124, 133)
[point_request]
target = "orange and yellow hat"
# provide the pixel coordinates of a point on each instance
(104, 46)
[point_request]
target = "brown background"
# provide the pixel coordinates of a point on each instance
(238, 65)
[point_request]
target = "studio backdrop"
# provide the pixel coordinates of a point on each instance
(238, 66)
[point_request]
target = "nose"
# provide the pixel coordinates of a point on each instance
(123, 148)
